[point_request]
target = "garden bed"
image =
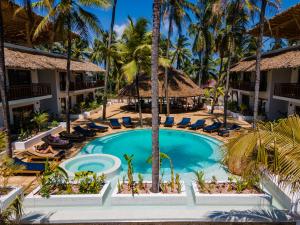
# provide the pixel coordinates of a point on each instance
(34, 199)
(224, 193)
(23, 145)
(8, 195)
(146, 197)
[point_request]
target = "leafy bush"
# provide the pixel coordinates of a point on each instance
(233, 106)
(41, 119)
(89, 182)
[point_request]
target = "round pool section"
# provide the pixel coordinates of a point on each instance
(108, 165)
(189, 151)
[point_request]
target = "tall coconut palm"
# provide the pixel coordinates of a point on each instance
(175, 13)
(154, 96)
(3, 89)
(69, 16)
(107, 69)
(181, 52)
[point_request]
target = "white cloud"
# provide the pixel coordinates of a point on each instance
(119, 29)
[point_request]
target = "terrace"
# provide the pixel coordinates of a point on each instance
(287, 90)
(28, 91)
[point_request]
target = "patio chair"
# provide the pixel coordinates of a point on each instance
(57, 142)
(114, 123)
(96, 127)
(127, 122)
(185, 122)
(169, 121)
(212, 128)
(73, 137)
(84, 132)
(36, 155)
(29, 167)
(197, 125)
(226, 132)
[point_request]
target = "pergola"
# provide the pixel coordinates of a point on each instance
(284, 25)
(183, 93)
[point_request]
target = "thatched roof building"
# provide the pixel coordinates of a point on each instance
(179, 86)
(19, 57)
(284, 25)
(277, 59)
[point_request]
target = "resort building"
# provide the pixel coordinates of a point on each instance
(37, 80)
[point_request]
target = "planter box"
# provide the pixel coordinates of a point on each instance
(85, 115)
(6, 200)
(150, 198)
(23, 145)
(241, 117)
(34, 200)
(230, 199)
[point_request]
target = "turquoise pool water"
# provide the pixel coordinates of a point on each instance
(188, 151)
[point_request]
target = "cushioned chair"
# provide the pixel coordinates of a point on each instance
(74, 137)
(35, 154)
(212, 128)
(226, 132)
(127, 122)
(57, 142)
(29, 167)
(96, 127)
(84, 132)
(169, 121)
(114, 123)
(185, 122)
(197, 125)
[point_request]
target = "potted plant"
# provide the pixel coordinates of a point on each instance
(234, 191)
(56, 188)
(131, 192)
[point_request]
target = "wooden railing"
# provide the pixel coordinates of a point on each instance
(28, 91)
(246, 86)
(287, 90)
(81, 86)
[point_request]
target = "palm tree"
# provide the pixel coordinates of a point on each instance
(175, 12)
(3, 89)
(154, 96)
(273, 147)
(112, 23)
(181, 53)
(70, 15)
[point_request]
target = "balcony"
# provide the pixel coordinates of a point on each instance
(287, 90)
(247, 86)
(81, 86)
(28, 91)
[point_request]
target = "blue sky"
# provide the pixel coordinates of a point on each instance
(143, 8)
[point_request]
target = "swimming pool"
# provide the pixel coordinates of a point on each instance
(189, 151)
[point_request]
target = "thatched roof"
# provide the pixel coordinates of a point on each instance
(26, 58)
(283, 25)
(15, 26)
(180, 85)
(277, 59)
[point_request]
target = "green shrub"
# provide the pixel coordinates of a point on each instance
(41, 120)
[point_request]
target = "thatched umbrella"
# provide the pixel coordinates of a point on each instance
(180, 87)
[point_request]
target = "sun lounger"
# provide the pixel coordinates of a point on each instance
(29, 167)
(212, 128)
(197, 125)
(57, 142)
(127, 122)
(34, 154)
(96, 127)
(169, 121)
(114, 123)
(73, 137)
(85, 132)
(185, 122)
(226, 132)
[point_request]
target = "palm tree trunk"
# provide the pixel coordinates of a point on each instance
(200, 71)
(139, 99)
(113, 15)
(215, 97)
(68, 76)
(227, 84)
(3, 89)
(258, 58)
(154, 86)
(166, 69)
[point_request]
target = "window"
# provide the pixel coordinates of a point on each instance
(19, 77)
(263, 81)
(62, 80)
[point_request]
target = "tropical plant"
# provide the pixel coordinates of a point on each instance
(178, 183)
(3, 89)
(12, 214)
(154, 95)
(200, 179)
(70, 16)
(181, 53)
(7, 169)
(40, 119)
(271, 147)
(140, 181)
(129, 171)
(89, 182)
